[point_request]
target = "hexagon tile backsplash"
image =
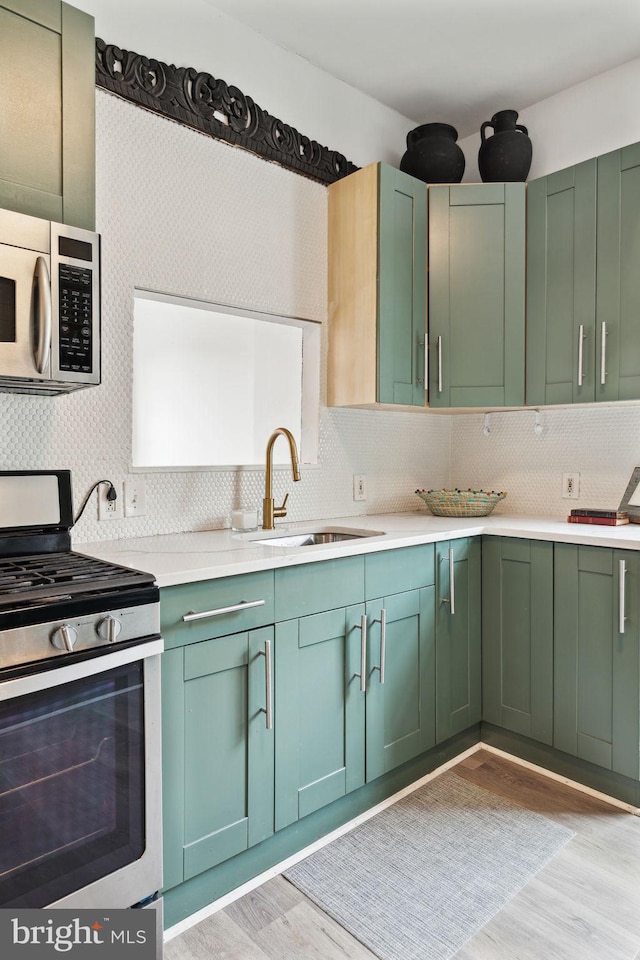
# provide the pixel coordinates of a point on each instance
(183, 214)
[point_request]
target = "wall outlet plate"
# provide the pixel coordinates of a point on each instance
(109, 509)
(571, 486)
(359, 486)
(135, 498)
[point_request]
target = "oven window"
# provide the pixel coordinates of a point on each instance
(7, 310)
(71, 786)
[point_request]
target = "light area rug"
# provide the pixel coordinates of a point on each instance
(419, 879)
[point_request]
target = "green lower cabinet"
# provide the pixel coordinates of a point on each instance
(517, 636)
(335, 730)
(320, 711)
(218, 751)
(597, 664)
(400, 679)
(458, 636)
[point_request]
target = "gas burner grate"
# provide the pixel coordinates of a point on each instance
(52, 575)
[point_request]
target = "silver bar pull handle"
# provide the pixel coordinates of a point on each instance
(580, 353)
(451, 599)
(220, 611)
(383, 642)
(603, 354)
(439, 364)
(452, 581)
(424, 344)
(42, 315)
(621, 596)
(363, 653)
(266, 653)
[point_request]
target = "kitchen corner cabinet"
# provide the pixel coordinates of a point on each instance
(377, 288)
(354, 684)
(477, 295)
(458, 636)
(583, 286)
(596, 657)
(47, 125)
(218, 746)
(517, 636)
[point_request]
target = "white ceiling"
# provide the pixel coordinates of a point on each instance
(457, 61)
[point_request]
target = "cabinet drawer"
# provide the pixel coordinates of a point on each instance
(396, 571)
(314, 587)
(225, 605)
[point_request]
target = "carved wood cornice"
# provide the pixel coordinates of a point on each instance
(200, 101)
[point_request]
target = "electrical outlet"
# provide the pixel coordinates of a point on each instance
(359, 486)
(135, 498)
(109, 509)
(571, 486)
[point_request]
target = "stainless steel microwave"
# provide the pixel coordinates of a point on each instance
(49, 306)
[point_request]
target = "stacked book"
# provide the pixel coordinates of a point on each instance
(608, 518)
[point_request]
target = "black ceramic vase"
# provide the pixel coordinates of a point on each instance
(433, 155)
(507, 154)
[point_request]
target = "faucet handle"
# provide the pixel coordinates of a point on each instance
(281, 511)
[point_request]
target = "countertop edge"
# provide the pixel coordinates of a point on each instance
(181, 558)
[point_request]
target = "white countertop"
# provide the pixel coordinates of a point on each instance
(208, 554)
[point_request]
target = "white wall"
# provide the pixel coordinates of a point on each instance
(581, 122)
(192, 33)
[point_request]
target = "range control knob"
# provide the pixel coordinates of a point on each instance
(109, 629)
(64, 637)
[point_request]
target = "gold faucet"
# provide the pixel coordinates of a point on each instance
(269, 510)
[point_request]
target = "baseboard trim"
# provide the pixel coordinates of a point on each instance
(574, 784)
(279, 868)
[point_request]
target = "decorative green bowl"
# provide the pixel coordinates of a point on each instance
(461, 503)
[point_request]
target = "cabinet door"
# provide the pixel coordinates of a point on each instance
(618, 277)
(517, 636)
(476, 295)
(47, 136)
(400, 700)
(561, 284)
(458, 634)
(320, 709)
(596, 669)
(402, 287)
(218, 755)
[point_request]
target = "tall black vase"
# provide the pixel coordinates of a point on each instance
(505, 156)
(433, 155)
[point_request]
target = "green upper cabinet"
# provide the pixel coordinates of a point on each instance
(476, 295)
(517, 636)
(583, 285)
(47, 121)
(458, 636)
(377, 288)
(618, 277)
(561, 277)
(596, 656)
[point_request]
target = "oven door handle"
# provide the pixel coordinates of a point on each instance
(45, 679)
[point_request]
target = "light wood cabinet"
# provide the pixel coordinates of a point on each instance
(377, 289)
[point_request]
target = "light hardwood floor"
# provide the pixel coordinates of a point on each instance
(584, 905)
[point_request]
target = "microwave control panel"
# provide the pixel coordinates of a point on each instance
(75, 318)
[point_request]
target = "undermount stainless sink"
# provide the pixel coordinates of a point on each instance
(313, 538)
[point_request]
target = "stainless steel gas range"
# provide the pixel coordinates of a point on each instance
(80, 764)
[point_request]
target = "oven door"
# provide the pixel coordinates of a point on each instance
(80, 765)
(26, 321)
